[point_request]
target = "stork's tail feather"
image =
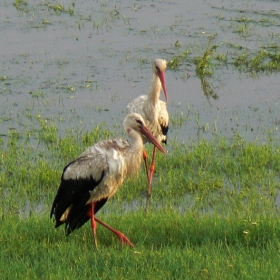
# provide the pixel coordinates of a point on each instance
(78, 215)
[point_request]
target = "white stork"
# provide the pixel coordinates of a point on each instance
(96, 175)
(154, 112)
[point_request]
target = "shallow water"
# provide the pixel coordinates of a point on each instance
(85, 68)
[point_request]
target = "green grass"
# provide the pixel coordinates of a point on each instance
(168, 245)
(213, 213)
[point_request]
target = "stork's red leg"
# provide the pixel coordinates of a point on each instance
(124, 240)
(152, 171)
(94, 219)
(145, 157)
(93, 222)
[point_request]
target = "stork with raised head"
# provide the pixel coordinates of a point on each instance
(96, 175)
(154, 112)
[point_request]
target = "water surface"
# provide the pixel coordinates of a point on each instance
(84, 67)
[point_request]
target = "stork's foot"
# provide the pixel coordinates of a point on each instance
(124, 240)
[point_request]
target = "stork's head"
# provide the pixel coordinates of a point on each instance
(135, 122)
(159, 68)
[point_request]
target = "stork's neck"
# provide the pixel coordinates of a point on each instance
(154, 93)
(134, 153)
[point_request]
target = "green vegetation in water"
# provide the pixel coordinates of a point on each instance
(21, 5)
(177, 61)
(213, 214)
(263, 61)
(204, 69)
(266, 60)
(104, 15)
(58, 9)
(244, 27)
(204, 66)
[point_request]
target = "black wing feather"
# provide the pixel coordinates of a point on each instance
(75, 193)
(164, 130)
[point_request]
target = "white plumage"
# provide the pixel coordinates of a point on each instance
(154, 111)
(96, 175)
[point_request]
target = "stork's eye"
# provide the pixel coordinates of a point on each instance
(140, 122)
(157, 68)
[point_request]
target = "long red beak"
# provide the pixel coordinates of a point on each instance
(163, 84)
(145, 131)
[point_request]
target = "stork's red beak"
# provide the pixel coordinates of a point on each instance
(145, 131)
(163, 83)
